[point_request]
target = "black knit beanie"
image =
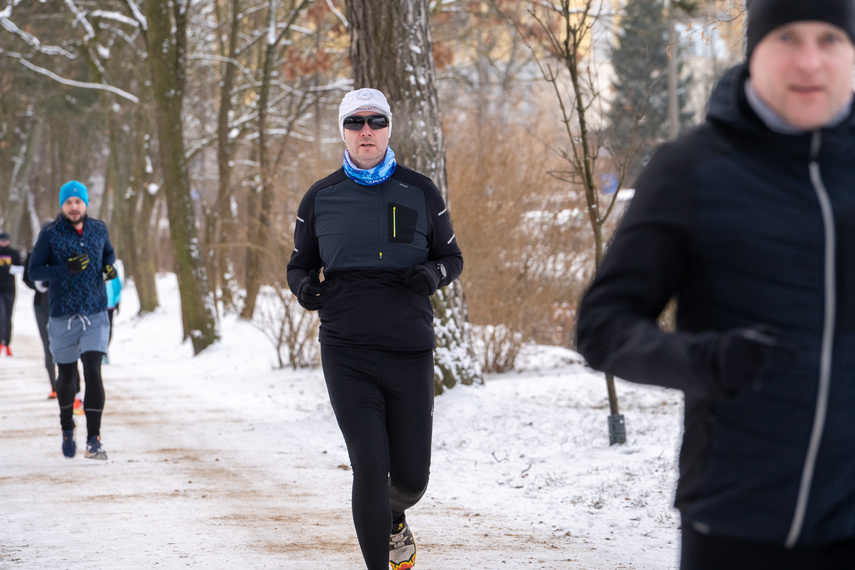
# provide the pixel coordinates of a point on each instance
(766, 15)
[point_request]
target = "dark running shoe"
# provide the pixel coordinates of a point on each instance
(69, 448)
(402, 547)
(94, 449)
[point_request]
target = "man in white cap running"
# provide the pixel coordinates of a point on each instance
(383, 238)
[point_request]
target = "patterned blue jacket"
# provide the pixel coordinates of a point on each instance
(81, 294)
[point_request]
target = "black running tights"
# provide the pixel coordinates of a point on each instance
(7, 302)
(67, 384)
(383, 401)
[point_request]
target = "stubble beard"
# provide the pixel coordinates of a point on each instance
(80, 218)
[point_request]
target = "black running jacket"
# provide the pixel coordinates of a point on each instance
(744, 227)
(365, 238)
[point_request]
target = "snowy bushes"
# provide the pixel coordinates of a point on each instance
(497, 347)
(292, 330)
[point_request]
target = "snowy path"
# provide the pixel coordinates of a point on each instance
(219, 463)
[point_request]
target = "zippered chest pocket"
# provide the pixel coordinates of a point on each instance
(401, 222)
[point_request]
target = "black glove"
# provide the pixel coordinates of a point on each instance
(311, 294)
(110, 272)
(78, 263)
(741, 355)
(423, 279)
(116, 309)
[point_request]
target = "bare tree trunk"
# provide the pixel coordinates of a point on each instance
(116, 182)
(132, 208)
(15, 208)
(565, 38)
(145, 267)
(166, 45)
(260, 233)
(139, 256)
(263, 197)
(391, 50)
(220, 227)
(585, 157)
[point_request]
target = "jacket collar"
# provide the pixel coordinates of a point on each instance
(729, 104)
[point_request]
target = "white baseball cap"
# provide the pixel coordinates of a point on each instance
(365, 99)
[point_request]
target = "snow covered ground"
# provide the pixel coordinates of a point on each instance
(223, 461)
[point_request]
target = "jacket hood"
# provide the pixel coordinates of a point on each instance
(729, 105)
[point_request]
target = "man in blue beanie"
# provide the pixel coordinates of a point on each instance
(748, 222)
(74, 255)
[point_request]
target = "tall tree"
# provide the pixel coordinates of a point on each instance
(139, 255)
(391, 50)
(567, 32)
(166, 40)
(263, 197)
(219, 226)
(641, 59)
(640, 64)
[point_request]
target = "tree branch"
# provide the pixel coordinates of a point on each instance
(81, 84)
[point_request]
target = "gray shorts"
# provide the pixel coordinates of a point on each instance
(72, 336)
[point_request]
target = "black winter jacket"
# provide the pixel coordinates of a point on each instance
(743, 227)
(365, 238)
(9, 256)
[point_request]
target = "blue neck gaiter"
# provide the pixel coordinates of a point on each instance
(372, 176)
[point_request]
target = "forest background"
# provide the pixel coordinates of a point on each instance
(198, 125)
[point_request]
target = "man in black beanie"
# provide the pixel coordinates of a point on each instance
(767, 15)
(749, 223)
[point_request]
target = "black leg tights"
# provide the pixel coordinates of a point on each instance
(67, 384)
(383, 402)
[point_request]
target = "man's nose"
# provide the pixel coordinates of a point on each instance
(809, 56)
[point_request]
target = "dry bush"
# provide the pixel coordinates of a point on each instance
(525, 236)
(292, 330)
(497, 347)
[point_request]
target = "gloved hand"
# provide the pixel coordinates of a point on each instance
(311, 294)
(78, 263)
(424, 279)
(741, 355)
(116, 309)
(110, 272)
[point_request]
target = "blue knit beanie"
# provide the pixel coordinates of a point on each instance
(73, 188)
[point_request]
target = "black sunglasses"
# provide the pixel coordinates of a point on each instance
(356, 122)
